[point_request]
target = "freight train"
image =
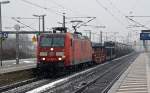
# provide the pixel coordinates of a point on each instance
(64, 50)
(109, 50)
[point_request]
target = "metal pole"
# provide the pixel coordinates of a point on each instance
(39, 16)
(0, 19)
(115, 38)
(1, 48)
(90, 35)
(64, 20)
(111, 53)
(101, 36)
(17, 48)
(39, 23)
(43, 23)
(106, 36)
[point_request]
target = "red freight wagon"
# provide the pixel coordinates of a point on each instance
(99, 54)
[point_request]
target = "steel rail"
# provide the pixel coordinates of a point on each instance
(105, 90)
(78, 78)
(115, 79)
(17, 84)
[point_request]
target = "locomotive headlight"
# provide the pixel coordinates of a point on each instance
(43, 59)
(59, 59)
(43, 53)
(52, 49)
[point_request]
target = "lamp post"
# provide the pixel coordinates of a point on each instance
(1, 48)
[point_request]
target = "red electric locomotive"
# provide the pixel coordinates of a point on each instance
(59, 50)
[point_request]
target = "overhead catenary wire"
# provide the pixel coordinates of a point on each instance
(48, 9)
(116, 18)
(59, 5)
(127, 17)
(42, 7)
(118, 10)
(66, 8)
(107, 10)
(86, 22)
(17, 19)
(138, 23)
(23, 24)
(85, 17)
(134, 5)
(24, 18)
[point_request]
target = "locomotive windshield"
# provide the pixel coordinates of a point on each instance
(58, 42)
(52, 42)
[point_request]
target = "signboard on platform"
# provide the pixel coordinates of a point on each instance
(3, 35)
(145, 31)
(145, 36)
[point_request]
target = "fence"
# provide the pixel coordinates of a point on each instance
(18, 45)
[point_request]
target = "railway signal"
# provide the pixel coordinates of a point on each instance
(34, 39)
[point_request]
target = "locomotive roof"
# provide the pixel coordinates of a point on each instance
(53, 34)
(63, 35)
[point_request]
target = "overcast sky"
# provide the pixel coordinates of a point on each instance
(110, 13)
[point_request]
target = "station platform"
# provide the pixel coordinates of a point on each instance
(136, 79)
(11, 66)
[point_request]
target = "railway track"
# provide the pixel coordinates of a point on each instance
(14, 85)
(29, 84)
(105, 73)
(75, 83)
(102, 84)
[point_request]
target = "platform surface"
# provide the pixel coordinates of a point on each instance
(11, 66)
(136, 79)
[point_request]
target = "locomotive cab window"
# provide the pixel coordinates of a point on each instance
(52, 42)
(58, 42)
(45, 42)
